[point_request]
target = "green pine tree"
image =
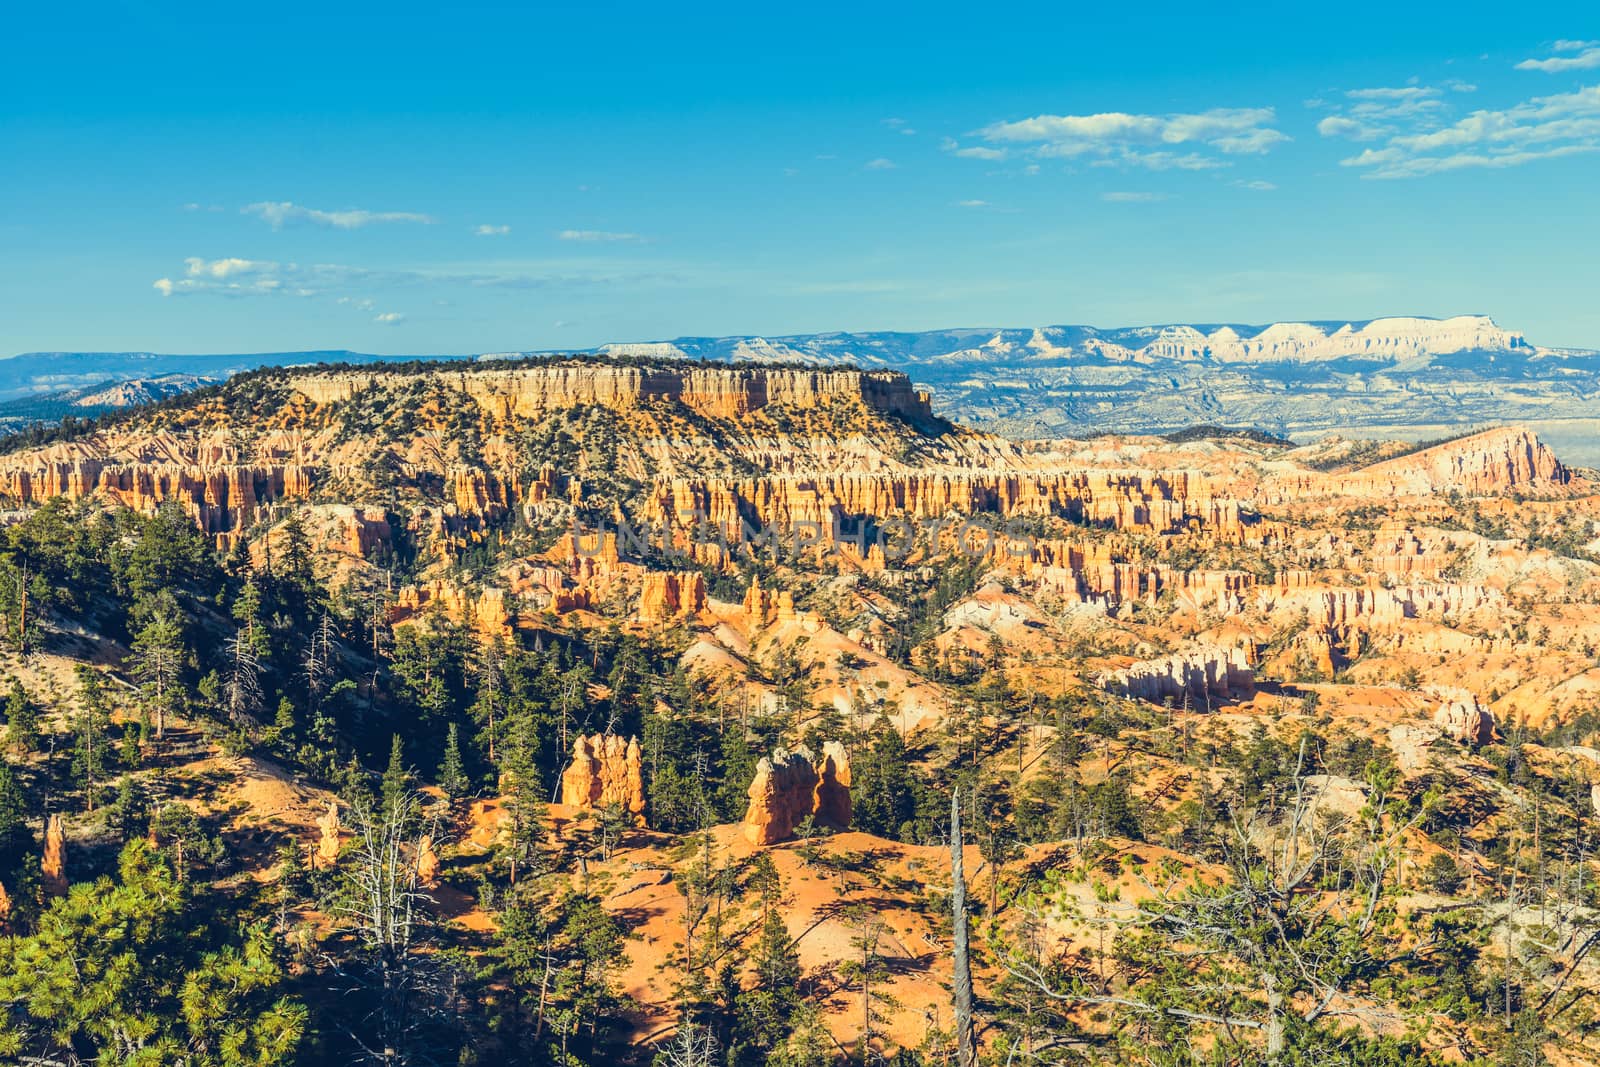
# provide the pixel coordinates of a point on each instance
(91, 727)
(22, 720)
(396, 779)
(452, 774)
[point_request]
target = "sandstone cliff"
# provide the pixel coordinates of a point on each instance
(719, 391)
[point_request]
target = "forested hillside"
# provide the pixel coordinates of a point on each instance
(441, 715)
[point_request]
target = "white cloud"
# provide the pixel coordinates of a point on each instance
(1587, 59)
(1256, 186)
(491, 231)
(880, 164)
(1418, 137)
(972, 203)
(356, 287)
(279, 212)
(1161, 160)
(1572, 46)
(230, 276)
(951, 145)
(1132, 198)
(1545, 127)
(389, 318)
(1340, 126)
(196, 267)
(1117, 138)
(597, 235)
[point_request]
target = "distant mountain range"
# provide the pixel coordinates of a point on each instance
(1405, 376)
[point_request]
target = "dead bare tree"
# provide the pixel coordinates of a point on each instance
(692, 1046)
(241, 688)
(385, 908)
(1266, 943)
(966, 1053)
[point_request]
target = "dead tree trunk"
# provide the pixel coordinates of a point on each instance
(966, 1051)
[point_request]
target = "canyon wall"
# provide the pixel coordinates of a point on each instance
(718, 391)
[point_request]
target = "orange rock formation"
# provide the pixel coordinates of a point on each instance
(54, 863)
(328, 844)
(605, 770)
(671, 594)
(427, 862)
(789, 787)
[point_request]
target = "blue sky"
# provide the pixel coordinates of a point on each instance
(398, 177)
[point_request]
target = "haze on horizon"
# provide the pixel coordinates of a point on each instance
(388, 178)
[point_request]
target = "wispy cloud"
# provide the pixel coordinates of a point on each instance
(1132, 197)
(389, 318)
(972, 203)
(227, 267)
(1257, 185)
(278, 213)
(353, 286)
(955, 148)
(231, 274)
(487, 230)
(1423, 143)
(1588, 58)
(1117, 138)
(900, 126)
(880, 164)
(598, 236)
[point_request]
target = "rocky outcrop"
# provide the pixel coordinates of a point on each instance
(427, 863)
(486, 611)
(221, 499)
(1485, 463)
(605, 770)
(1466, 721)
(1412, 745)
(1201, 674)
(825, 509)
(790, 787)
(54, 863)
(328, 843)
(718, 391)
(1496, 461)
(671, 595)
(1375, 607)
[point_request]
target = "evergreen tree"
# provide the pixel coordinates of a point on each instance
(882, 794)
(22, 720)
(157, 661)
(396, 779)
(129, 971)
(452, 773)
(19, 867)
(91, 727)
